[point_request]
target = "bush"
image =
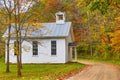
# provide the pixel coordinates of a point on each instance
(1, 56)
(83, 49)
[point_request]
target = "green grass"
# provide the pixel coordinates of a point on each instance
(94, 59)
(39, 71)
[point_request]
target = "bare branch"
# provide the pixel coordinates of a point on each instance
(5, 4)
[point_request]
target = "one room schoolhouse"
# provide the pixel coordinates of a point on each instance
(49, 44)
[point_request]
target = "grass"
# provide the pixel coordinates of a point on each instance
(94, 59)
(39, 71)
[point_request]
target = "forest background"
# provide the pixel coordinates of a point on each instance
(96, 24)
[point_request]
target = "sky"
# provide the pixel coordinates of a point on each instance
(23, 4)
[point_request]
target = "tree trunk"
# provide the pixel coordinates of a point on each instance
(8, 43)
(18, 65)
(91, 50)
(17, 28)
(89, 34)
(18, 54)
(7, 63)
(20, 41)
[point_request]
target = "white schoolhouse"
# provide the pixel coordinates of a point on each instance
(49, 44)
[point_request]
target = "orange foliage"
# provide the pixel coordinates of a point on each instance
(50, 5)
(116, 41)
(77, 35)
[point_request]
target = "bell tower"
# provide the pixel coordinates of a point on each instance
(60, 17)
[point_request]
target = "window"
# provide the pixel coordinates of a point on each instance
(35, 48)
(60, 17)
(53, 47)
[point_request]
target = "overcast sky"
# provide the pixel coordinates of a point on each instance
(23, 5)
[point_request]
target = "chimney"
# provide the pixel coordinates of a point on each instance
(60, 17)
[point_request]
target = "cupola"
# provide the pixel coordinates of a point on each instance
(60, 17)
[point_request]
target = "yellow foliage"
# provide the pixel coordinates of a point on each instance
(4, 38)
(116, 41)
(116, 38)
(110, 33)
(102, 29)
(118, 18)
(80, 3)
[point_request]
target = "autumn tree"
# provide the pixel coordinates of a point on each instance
(22, 16)
(105, 14)
(18, 12)
(7, 10)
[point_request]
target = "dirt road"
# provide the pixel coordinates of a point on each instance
(97, 71)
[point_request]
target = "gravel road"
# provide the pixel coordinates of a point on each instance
(97, 71)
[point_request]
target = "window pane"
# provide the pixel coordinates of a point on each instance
(53, 42)
(53, 47)
(60, 17)
(35, 48)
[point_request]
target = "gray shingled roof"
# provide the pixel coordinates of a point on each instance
(48, 30)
